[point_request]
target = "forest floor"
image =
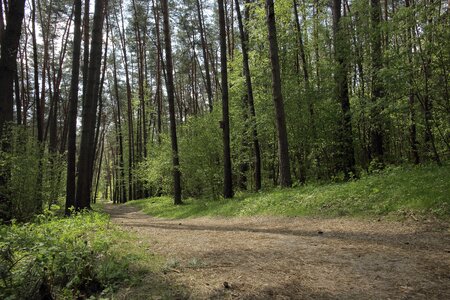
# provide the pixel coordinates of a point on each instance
(295, 257)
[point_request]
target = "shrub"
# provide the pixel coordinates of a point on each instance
(58, 257)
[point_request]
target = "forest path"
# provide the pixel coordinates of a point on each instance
(298, 258)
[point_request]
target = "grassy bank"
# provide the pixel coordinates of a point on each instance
(84, 256)
(395, 192)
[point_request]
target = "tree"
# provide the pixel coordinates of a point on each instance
(277, 96)
(8, 55)
(225, 123)
(250, 105)
(9, 48)
(205, 56)
(171, 99)
(346, 157)
(377, 87)
(86, 161)
(73, 110)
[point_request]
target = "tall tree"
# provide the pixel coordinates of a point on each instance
(249, 97)
(411, 96)
(377, 85)
(205, 56)
(122, 196)
(171, 99)
(73, 110)
(86, 160)
(37, 100)
(8, 55)
(283, 147)
(9, 49)
(346, 157)
(225, 124)
(121, 30)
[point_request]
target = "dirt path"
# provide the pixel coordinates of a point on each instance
(298, 258)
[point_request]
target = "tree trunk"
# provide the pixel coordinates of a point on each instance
(85, 47)
(377, 87)
(85, 162)
(39, 114)
(8, 56)
(250, 99)
(73, 110)
(171, 99)
(225, 124)
(121, 176)
(205, 57)
(347, 157)
(411, 100)
(129, 110)
(283, 148)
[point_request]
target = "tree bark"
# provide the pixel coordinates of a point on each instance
(377, 87)
(171, 99)
(8, 64)
(283, 147)
(85, 162)
(205, 57)
(129, 109)
(250, 100)
(39, 114)
(225, 124)
(347, 156)
(411, 100)
(73, 110)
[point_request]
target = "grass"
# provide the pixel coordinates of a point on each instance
(394, 192)
(84, 256)
(144, 269)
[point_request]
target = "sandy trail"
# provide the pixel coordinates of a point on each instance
(298, 258)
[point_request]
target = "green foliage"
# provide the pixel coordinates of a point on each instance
(394, 191)
(200, 159)
(34, 178)
(67, 257)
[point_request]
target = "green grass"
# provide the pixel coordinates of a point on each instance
(395, 192)
(84, 256)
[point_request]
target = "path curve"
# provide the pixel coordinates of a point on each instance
(298, 258)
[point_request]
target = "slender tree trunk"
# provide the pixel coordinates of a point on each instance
(171, 99)
(347, 159)
(85, 47)
(411, 100)
(120, 175)
(300, 156)
(99, 169)
(129, 110)
(225, 124)
(205, 57)
(37, 101)
(73, 110)
(85, 163)
(250, 99)
(427, 104)
(18, 98)
(2, 23)
(377, 87)
(283, 147)
(158, 93)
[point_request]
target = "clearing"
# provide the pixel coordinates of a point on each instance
(296, 258)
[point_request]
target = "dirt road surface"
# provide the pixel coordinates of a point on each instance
(298, 258)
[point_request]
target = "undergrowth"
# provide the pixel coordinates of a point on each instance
(395, 192)
(62, 258)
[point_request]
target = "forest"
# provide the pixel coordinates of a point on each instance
(223, 108)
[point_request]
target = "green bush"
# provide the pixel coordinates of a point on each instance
(61, 257)
(33, 178)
